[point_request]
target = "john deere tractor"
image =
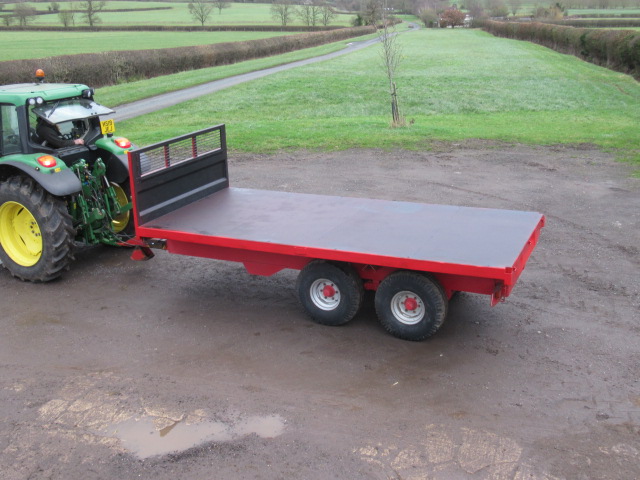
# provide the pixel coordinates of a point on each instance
(52, 196)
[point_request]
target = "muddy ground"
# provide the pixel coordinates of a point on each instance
(185, 368)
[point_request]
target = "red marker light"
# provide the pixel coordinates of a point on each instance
(47, 161)
(122, 142)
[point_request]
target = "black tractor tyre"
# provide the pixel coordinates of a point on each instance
(37, 230)
(411, 305)
(331, 294)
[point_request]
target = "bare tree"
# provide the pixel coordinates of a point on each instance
(476, 8)
(327, 13)
(391, 55)
(429, 17)
(24, 12)
(497, 8)
(67, 17)
(91, 9)
(309, 13)
(282, 11)
(372, 12)
(200, 10)
(7, 20)
(220, 4)
(515, 6)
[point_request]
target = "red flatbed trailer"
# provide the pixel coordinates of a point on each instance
(415, 256)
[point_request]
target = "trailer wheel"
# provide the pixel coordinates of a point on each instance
(410, 305)
(36, 231)
(330, 294)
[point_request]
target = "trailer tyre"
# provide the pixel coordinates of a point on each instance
(36, 231)
(410, 305)
(331, 294)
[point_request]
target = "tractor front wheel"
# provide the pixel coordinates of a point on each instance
(36, 231)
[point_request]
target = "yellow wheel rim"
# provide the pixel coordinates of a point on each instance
(20, 235)
(120, 221)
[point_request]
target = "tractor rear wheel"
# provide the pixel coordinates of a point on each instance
(36, 231)
(123, 224)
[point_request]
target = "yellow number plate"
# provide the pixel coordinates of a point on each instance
(107, 126)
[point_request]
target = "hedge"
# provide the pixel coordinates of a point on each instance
(596, 22)
(110, 68)
(615, 49)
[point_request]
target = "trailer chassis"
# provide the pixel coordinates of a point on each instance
(183, 203)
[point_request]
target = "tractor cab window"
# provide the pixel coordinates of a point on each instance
(74, 118)
(10, 139)
(67, 110)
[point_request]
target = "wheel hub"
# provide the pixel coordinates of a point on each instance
(410, 304)
(325, 294)
(20, 234)
(328, 291)
(408, 308)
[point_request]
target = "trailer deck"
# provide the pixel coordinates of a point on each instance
(435, 238)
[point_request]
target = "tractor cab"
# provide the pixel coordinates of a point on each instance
(72, 112)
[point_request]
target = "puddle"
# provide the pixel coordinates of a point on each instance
(142, 438)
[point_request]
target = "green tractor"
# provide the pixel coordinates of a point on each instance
(64, 178)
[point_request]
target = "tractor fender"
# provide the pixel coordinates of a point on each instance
(116, 159)
(117, 168)
(60, 184)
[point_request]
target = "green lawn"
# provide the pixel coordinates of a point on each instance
(603, 11)
(453, 85)
(119, 94)
(23, 45)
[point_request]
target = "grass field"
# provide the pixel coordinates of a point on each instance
(237, 14)
(119, 94)
(22, 45)
(453, 85)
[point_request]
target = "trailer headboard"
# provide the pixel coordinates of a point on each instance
(168, 175)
